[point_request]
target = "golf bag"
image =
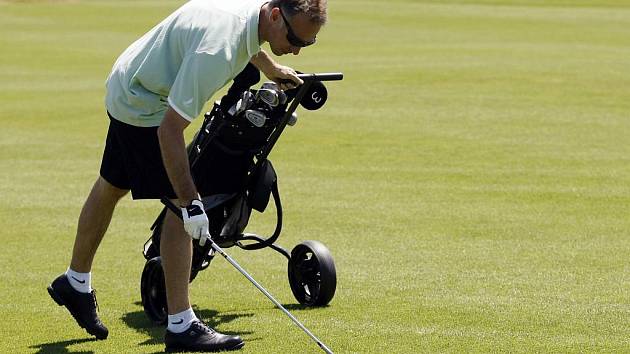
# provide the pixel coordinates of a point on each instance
(229, 165)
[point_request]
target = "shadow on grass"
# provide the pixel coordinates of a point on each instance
(61, 347)
(139, 321)
(300, 307)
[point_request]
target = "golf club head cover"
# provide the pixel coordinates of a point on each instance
(196, 221)
(313, 99)
(315, 96)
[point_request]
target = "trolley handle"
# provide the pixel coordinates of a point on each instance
(316, 77)
(321, 77)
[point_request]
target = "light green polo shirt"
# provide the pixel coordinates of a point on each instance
(183, 61)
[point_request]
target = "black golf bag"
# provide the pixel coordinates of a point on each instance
(230, 168)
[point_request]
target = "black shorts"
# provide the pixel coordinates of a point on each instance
(132, 160)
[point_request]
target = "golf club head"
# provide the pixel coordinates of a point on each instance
(268, 96)
(257, 118)
(293, 119)
(232, 110)
(282, 96)
(246, 101)
(270, 85)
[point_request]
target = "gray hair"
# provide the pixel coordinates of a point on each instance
(314, 9)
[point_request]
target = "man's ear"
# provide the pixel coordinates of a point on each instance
(274, 14)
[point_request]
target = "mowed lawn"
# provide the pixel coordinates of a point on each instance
(470, 175)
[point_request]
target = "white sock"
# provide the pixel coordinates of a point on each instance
(180, 322)
(81, 282)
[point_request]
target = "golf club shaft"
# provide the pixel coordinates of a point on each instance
(269, 296)
(219, 250)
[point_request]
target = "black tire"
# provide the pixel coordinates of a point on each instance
(312, 274)
(153, 291)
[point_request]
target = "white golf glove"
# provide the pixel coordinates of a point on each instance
(196, 221)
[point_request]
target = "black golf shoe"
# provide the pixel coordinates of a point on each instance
(82, 306)
(201, 338)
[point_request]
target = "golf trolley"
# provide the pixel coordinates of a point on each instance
(229, 164)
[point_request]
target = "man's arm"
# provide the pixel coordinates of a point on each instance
(175, 158)
(174, 155)
(275, 71)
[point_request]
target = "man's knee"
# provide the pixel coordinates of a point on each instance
(110, 190)
(173, 225)
(173, 221)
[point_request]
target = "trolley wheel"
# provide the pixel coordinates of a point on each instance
(312, 274)
(153, 291)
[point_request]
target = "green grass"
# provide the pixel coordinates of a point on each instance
(471, 176)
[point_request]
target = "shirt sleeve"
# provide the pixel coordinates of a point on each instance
(199, 77)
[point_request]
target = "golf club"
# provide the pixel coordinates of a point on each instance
(293, 120)
(176, 210)
(269, 96)
(257, 118)
(246, 101)
(282, 97)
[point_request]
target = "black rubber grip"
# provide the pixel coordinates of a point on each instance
(321, 77)
(316, 77)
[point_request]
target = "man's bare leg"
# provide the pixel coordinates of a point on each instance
(79, 298)
(176, 251)
(93, 223)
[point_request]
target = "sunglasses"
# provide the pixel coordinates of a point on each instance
(292, 38)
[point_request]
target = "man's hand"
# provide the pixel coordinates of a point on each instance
(284, 76)
(196, 221)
